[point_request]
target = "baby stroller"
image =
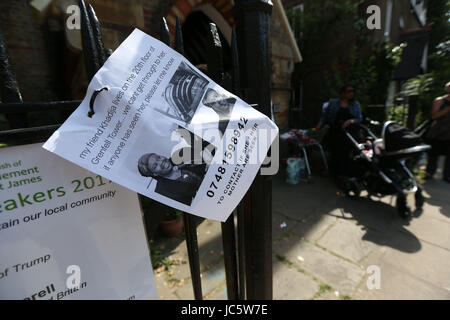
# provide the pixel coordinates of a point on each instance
(380, 164)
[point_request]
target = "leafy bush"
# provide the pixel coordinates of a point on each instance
(338, 48)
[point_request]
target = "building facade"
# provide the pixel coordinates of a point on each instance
(46, 53)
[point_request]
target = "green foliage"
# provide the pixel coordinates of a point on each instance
(439, 67)
(158, 258)
(324, 288)
(420, 86)
(178, 215)
(170, 215)
(397, 114)
(431, 85)
(438, 15)
(371, 71)
(420, 173)
(337, 48)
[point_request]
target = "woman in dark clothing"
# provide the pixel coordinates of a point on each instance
(339, 115)
(439, 135)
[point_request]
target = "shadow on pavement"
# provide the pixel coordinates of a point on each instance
(377, 218)
(438, 191)
(309, 203)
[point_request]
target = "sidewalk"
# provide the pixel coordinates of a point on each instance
(327, 245)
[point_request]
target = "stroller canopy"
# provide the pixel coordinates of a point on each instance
(397, 137)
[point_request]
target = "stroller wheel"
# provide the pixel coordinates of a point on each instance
(420, 200)
(403, 209)
(354, 193)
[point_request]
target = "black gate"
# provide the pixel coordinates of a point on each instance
(247, 234)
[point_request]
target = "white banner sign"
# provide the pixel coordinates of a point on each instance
(66, 233)
(165, 130)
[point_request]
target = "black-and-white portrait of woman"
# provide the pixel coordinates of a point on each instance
(222, 105)
(184, 93)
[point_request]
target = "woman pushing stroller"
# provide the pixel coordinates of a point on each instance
(363, 161)
(340, 114)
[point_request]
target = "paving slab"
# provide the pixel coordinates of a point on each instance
(314, 226)
(209, 238)
(326, 267)
(282, 226)
(219, 293)
(430, 264)
(431, 230)
(374, 214)
(164, 289)
(180, 269)
(395, 284)
(438, 191)
(418, 274)
(299, 201)
(347, 240)
(211, 279)
(290, 284)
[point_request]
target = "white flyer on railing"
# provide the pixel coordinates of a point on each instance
(164, 129)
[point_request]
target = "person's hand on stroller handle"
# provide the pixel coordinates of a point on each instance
(348, 123)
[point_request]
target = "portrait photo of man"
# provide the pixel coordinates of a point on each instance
(177, 180)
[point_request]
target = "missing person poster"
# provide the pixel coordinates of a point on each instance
(162, 128)
(66, 233)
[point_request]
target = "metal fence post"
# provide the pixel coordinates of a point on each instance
(97, 35)
(252, 28)
(190, 228)
(92, 62)
(239, 212)
(216, 72)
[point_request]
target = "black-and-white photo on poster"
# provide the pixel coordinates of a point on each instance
(183, 93)
(222, 105)
(178, 176)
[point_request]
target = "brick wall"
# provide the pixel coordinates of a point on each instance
(282, 67)
(154, 10)
(31, 51)
(28, 46)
